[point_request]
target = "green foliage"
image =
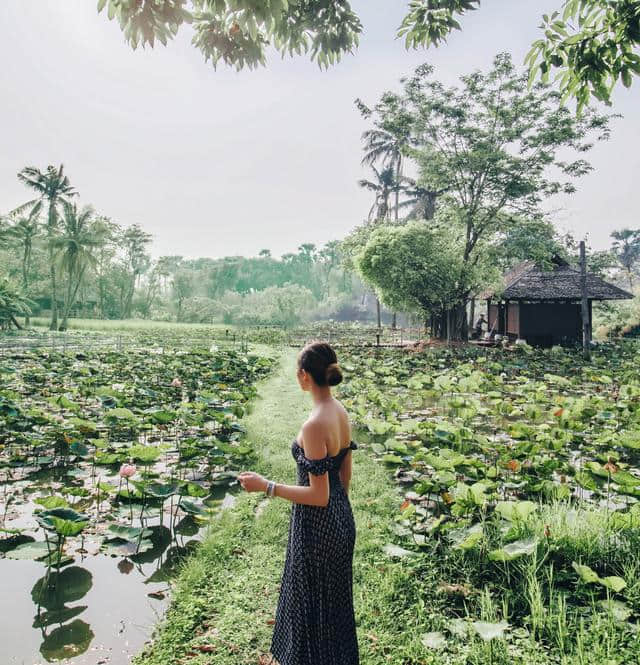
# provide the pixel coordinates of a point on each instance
(411, 266)
(237, 33)
(12, 304)
(592, 44)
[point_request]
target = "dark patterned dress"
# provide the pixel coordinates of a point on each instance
(315, 622)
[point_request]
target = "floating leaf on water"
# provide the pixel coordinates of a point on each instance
(119, 414)
(50, 502)
(79, 449)
(128, 532)
(29, 551)
(192, 508)
(161, 490)
(144, 454)
(121, 547)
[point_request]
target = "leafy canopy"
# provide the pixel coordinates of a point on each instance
(591, 43)
(411, 266)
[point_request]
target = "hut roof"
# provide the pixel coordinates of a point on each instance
(528, 281)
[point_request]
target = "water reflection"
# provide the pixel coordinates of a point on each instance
(51, 594)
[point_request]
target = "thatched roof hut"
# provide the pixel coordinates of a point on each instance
(527, 281)
(544, 306)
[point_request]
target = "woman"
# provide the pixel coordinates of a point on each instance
(315, 623)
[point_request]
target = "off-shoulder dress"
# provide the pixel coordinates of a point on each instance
(315, 621)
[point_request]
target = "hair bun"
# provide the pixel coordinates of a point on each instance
(334, 374)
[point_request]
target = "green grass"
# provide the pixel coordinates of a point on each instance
(225, 597)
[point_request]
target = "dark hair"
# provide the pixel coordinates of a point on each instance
(320, 360)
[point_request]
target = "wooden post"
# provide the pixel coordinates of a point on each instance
(586, 332)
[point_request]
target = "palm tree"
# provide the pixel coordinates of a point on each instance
(627, 249)
(384, 185)
(54, 188)
(12, 304)
(23, 232)
(421, 200)
(75, 250)
(388, 147)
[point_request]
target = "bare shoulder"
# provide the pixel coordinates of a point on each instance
(314, 438)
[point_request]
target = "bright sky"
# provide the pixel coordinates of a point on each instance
(215, 163)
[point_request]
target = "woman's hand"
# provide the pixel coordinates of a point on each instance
(252, 482)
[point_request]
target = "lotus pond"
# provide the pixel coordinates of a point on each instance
(520, 474)
(111, 463)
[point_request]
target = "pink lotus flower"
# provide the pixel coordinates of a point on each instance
(176, 383)
(127, 470)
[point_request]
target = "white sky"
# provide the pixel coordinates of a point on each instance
(218, 162)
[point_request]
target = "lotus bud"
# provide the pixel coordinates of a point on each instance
(127, 470)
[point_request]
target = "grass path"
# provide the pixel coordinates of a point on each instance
(224, 600)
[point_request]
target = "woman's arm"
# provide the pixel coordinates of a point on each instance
(345, 471)
(317, 493)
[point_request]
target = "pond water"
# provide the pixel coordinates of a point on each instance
(98, 609)
(111, 466)
(99, 612)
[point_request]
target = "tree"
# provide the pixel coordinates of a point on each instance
(410, 267)
(23, 233)
(54, 189)
(110, 233)
(12, 305)
(495, 147)
(182, 289)
(627, 249)
(421, 200)
(388, 140)
(238, 33)
(382, 187)
(135, 242)
(592, 44)
(75, 250)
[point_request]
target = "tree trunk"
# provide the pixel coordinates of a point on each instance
(54, 298)
(25, 280)
(453, 324)
(52, 268)
(472, 312)
(393, 321)
(378, 311)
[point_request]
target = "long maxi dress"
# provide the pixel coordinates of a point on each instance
(315, 622)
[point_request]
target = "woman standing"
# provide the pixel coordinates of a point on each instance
(315, 622)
